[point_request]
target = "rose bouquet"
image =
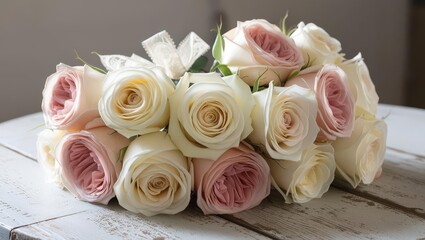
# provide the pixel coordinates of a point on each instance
(285, 110)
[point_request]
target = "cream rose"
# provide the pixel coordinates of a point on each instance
(359, 158)
(70, 97)
(361, 85)
(155, 177)
(306, 179)
(90, 164)
(258, 47)
(135, 100)
(316, 44)
(335, 100)
(284, 121)
(211, 115)
(238, 180)
(47, 140)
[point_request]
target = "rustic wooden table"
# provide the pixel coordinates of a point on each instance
(393, 207)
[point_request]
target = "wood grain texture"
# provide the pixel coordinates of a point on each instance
(337, 215)
(113, 222)
(401, 186)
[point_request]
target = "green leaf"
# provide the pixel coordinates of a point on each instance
(36, 127)
(199, 64)
(256, 86)
(284, 23)
(218, 46)
(224, 69)
(121, 154)
(293, 74)
(77, 57)
(293, 29)
(214, 66)
(308, 63)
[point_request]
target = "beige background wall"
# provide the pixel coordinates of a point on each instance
(36, 35)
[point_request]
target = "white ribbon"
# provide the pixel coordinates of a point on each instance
(161, 49)
(115, 62)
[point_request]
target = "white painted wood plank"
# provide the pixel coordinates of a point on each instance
(20, 134)
(406, 128)
(113, 222)
(401, 185)
(26, 198)
(338, 215)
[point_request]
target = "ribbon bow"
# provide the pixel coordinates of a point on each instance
(175, 61)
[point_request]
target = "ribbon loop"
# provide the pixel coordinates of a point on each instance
(161, 49)
(114, 62)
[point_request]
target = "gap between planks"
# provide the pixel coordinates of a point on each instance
(18, 152)
(13, 230)
(417, 156)
(371, 197)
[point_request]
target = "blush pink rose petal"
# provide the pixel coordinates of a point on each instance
(335, 100)
(71, 96)
(258, 47)
(90, 164)
(238, 180)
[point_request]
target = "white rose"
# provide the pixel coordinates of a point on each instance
(135, 100)
(155, 177)
(360, 157)
(316, 44)
(306, 179)
(361, 85)
(284, 121)
(210, 116)
(47, 140)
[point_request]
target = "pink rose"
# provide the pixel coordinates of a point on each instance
(238, 180)
(335, 100)
(256, 47)
(90, 164)
(71, 96)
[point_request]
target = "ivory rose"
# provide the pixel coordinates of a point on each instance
(135, 100)
(70, 97)
(47, 140)
(238, 180)
(155, 177)
(258, 47)
(284, 121)
(306, 179)
(316, 44)
(359, 158)
(335, 100)
(211, 115)
(90, 164)
(361, 85)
